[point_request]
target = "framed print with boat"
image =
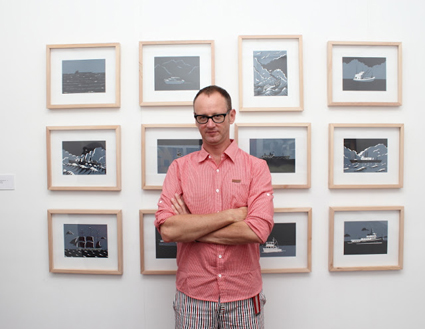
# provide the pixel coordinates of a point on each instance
(85, 241)
(84, 158)
(161, 144)
(83, 75)
(172, 72)
(288, 247)
(364, 73)
(156, 256)
(271, 73)
(366, 155)
(366, 238)
(286, 148)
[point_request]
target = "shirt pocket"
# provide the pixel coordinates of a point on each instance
(238, 193)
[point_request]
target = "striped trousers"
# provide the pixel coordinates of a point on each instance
(192, 313)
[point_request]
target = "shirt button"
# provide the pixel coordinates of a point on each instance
(268, 194)
(218, 170)
(219, 275)
(219, 256)
(217, 190)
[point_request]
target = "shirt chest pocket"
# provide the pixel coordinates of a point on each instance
(238, 193)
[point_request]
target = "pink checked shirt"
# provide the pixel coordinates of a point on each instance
(211, 271)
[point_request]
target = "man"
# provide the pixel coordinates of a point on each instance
(217, 204)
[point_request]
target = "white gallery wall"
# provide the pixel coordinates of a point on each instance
(31, 297)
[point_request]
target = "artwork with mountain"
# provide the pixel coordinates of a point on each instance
(177, 73)
(270, 73)
(84, 157)
(364, 73)
(365, 155)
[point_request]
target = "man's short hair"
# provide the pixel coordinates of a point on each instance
(215, 89)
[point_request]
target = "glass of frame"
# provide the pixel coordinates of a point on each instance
(156, 256)
(366, 238)
(364, 73)
(366, 155)
(271, 73)
(288, 247)
(172, 72)
(161, 144)
(84, 158)
(85, 241)
(285, 147)
(83, 76)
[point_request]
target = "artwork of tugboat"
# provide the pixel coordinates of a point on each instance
(364, 74)
(365, 237)
(281, 241)
(271, 246)
(177, 73)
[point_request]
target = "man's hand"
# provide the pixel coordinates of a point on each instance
(178, 205)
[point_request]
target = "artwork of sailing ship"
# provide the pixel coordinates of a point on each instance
(85, 240)
(281, 241)
(270, 73)
(84, 157)
(164, 249)
(279, 153)
(365, 237)
(365, 155)
(364, 73)
(170, 149)
(177, 73)
(83, 76)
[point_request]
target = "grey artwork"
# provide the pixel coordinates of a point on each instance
(279, 153)
(177, 73)
(84, 157)
(85, 240)
(83, 76)
(281, 241)
(270, 73)
(365, 155)
(365, 237)
(170, 149)
(164, 249)
(364, 73)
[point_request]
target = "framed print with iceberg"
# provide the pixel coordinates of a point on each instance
(156, 256)
(366, 155)
(85, 241)
(84, 158)
(286, 148)
(288, 247)
(364, 73)
(366, 238)
(83, 76)
(172, 72)
(271, 73)
(161, 144)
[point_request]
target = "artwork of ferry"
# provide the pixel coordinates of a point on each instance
(364, 76)
(271, 246)
(365, 159)
(371, 238)
(276, 157)
(174, 81)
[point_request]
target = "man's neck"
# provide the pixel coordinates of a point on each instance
(216, 151)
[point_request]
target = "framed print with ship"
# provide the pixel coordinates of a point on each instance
(161, 144)
(271, 73)
(285, 147)
(84, 158)
(364, 73)
(172, 72)
(83, 76)
(288, 247)
(156, 256)
(366, 155)
(366, 238)
(85, 241)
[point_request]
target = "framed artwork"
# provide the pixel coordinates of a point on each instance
(366, 238)
(161, 144)
(172, 72)
(271, 73)
(84, 158)
(85, 241)
(288, 247)
(364, 73)
(156, 256)
(83, 76)
(366, 155)
(285, 147)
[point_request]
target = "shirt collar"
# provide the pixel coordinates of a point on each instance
(231, 152)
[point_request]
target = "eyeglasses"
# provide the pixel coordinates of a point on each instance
(216, 118)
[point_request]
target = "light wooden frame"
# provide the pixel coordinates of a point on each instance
(367, 262)
(56, 53)
(303, 149)
(147, 257)
(148, 96)
(287, 264)
(111, 181)
(393, 178)
(294, 101)
(58, 263)
(392, 96)
(151, 179)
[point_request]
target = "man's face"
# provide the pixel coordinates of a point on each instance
(212, 133)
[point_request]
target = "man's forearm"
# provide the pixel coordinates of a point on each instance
(236, 233)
